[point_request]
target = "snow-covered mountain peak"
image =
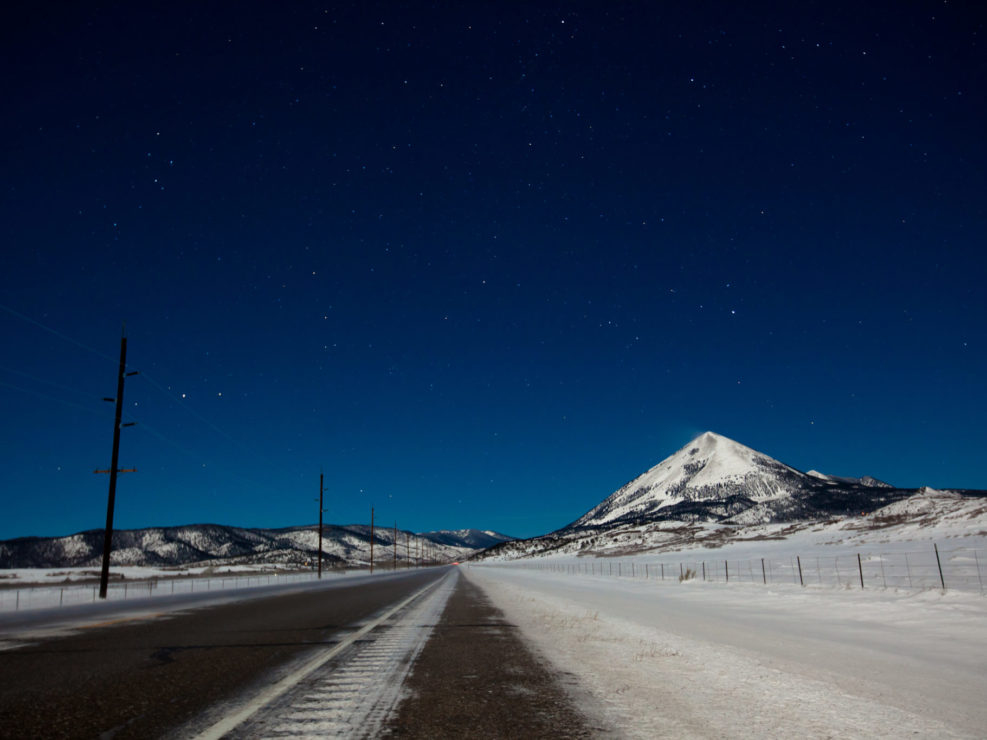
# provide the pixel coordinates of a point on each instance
(710, 467)
(712, 458)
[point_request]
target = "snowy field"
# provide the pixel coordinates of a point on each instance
(958, 565)
(63, 576)
(43, 588)
(717, 659)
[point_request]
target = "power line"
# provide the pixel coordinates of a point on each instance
(58, 334)
(154, 383)
(185, 407)
(157, 385)
(52, 383)
(52, 398)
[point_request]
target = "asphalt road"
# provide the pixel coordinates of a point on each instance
(145, 674)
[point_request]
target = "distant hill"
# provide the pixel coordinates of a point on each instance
(475, 539)
(215, 544)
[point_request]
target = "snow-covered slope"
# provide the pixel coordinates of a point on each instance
(217, 544)
(709, 468)
(867, 480)
(476, 539)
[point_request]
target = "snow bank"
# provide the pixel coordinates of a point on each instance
(734, 660)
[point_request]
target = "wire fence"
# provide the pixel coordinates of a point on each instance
(43, 597)
(49, 596)
(961, 569)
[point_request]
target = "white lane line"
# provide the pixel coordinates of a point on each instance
(228, 723)
(326, 704)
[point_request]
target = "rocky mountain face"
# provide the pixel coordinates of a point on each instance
(213, 544)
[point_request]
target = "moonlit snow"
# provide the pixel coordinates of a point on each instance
(701, 660)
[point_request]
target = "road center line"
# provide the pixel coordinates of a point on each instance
(228, 723)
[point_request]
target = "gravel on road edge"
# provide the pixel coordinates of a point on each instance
(476, 678)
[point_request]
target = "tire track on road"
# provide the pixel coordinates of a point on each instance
(349, 690)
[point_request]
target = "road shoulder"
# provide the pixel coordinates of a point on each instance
(477, 678)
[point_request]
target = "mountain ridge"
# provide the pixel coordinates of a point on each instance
(218, 544)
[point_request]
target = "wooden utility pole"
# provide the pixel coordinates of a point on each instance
(104, 576)
(320, 524)
(395, 545)
(371, 540)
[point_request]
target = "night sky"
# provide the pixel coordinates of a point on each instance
(482, 263)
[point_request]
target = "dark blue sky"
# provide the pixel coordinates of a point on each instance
(480, 262)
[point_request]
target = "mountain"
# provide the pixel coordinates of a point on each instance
(718, 489)
(710, 468)
(714, 478)
(214, 544)
(474, 539)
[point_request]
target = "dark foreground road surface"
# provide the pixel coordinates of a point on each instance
(475, 678)
(142, 679)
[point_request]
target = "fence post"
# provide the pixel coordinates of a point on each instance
(939, 563)
(663, 571)
(704, 570)
(726, 569)
(681, 574)
(764, 577)
(17, 603)
(861, 569)
(799, 561)
(980, 579)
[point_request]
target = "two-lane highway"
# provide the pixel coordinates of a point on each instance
(142, 673)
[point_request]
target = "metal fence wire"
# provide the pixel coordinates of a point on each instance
(960, 569)
(40, 597)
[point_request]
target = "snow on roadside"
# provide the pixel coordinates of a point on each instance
(62, 576)
(717, 660)
(140, 583)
